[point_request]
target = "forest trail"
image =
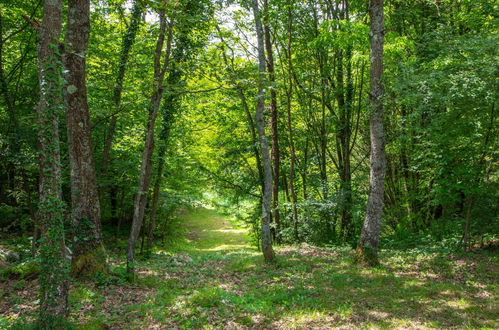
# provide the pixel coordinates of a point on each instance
(207, 230)
(207, 275)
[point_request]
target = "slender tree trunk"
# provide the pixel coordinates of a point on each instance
(267, 250)
(168, 110)
(13, 126)
(345, 102)
(273, 119)
(54, 268)
(126, 47)
(289, 94)
(254, 137)
(294, 197)
(146, 165)
(155, 198)
(244, 104)
(368, 243)
(89, 255)
(303, 172)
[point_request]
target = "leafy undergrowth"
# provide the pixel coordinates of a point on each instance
(214, 279)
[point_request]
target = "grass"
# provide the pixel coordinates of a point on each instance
(215, 279)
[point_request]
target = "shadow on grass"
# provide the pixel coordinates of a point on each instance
(310, 288)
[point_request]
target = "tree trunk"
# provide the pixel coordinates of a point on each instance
(126, 47)
(344, 133)
(244, 104)
(146, 165)
(368, 243)
(268, 252)
(273, 120)
(54, 281)
(89, 255)
(289, 93)
(13, 126)
(168, 110)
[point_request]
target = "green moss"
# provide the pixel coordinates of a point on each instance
(90, 263)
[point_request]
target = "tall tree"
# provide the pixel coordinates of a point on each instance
(126, 47)
(368, 243)
(161, 61)
(268, 252)
(289, 94)
(54, 269)
(89, 254)
(273, 118)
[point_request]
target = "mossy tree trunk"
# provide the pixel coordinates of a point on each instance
(89, 255)
(54, 268)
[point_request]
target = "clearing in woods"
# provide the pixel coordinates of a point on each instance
(209, 276)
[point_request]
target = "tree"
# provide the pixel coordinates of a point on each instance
(274, 116)
(161, 62)
(89, 254)
(54, 268)
(369, 237)
(126, 47)
(268, 252)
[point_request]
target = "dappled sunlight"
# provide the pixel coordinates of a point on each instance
(218, 280)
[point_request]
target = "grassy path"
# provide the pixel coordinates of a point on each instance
(208, 231)
(213, 279)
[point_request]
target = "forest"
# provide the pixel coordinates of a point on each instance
(249, 164)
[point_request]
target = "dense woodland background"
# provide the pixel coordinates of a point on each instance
(167, 122)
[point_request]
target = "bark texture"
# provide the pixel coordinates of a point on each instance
(368, 243)
(89, 254)
(54, 268)
(268, 252)
(273, 121)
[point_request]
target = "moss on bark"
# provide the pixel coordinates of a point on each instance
(90, 263)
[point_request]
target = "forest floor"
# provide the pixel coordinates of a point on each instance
(208, 276)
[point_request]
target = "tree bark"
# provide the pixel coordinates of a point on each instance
(289, 94)
(146, 165)
(268, 252)
(368, 243)
(89, 255)
(54, 268)
(273, 120)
